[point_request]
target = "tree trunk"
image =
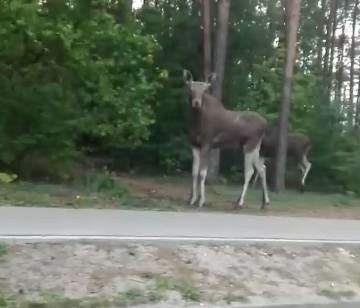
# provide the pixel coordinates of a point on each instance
(122, 10)
(328, 39)
(292, 12)
(352, 64)
(220, 48)
(205, 8)
(220, 57)
(332, 48)
(321, 34)
(340, 65)
(357, 113)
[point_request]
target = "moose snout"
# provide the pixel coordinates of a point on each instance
(196, 103)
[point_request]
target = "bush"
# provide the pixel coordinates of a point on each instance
(69, 74)
(104, 182)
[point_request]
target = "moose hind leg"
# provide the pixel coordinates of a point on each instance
(302, 172)
(255, 178)
(307, 166)
(195, 176)
(261, 170)
(248, 172)
(257, 173)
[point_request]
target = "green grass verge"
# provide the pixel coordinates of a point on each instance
(101, 191)
(3, 249)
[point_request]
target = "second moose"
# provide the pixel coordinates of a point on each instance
(298, 148)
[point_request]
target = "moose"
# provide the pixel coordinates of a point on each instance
(211, 125)
(298, 148)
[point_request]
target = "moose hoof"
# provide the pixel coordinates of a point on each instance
(238, 206)
(265, 206)
(201, 204)
(191, 201)
(302, 189)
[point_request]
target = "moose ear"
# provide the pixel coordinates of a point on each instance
(188, 78)
(211, 78)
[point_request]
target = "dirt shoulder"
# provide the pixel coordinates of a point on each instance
(104, 274)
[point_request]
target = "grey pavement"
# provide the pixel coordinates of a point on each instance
(17, 221)
(25, 223)
(327, 305)
(333, 305)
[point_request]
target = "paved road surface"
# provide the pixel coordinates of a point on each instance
(37, 223)
(335, 305)
(16, 221)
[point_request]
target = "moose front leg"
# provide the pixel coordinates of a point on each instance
(204, 159)
(195, 175)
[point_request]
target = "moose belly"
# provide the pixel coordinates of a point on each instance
(225, 140)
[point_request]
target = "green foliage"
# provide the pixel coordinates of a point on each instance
(176, 27)
(104, 182)
(78, 75)
(7, 178)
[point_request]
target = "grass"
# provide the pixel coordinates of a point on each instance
(337, 295)
(49, 195)
(221, 197)
(146, 203)
(131, 297)
(290, 202)
(88, 192)
(134, 297)
(51, 297)
(3, 302)
(63, 302)
(289, 197)
(32, 194)
(3, 250)
(233, 298)
(7, 302)
(170, 194)
(187, 290)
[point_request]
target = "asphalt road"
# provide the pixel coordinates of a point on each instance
(334, 305)
(117, 224)
(46, 223)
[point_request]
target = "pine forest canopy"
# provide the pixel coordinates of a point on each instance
(96, 77)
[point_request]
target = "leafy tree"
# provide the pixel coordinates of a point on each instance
(72, 73)
(85, 77)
